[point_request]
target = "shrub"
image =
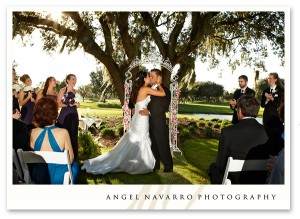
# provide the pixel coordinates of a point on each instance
(88, 148)
(103, 125)
(108, 133)
(225, 123)
(191, 129)
(209, 124)
(201, 124)
(93, 129)
(120, 129)
(185, 133)
(209, 132)
(216, 126)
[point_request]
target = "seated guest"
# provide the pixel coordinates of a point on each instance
(20, 139)
(20, 135)
(48, 137)
(236, 140)
(276, 164)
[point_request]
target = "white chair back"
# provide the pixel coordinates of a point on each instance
(26, 157)
(234, 165)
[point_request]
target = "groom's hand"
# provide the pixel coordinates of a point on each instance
(144, 112)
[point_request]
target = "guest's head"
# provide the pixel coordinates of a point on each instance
(45, 112)
(248, 106)
(50, 82)
(71, 80)
(14, 74)
(26, 80)
(273, 79)
(243, 81)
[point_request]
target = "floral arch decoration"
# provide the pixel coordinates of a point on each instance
(175, 92)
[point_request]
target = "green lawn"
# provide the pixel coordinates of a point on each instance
(189, 168)
(113, 108)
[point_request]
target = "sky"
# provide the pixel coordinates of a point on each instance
(39, 65)
(292, 110)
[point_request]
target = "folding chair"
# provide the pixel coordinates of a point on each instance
(26, 157)
(17, 165)
(234, 165)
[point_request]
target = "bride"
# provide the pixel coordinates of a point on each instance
(132, 154)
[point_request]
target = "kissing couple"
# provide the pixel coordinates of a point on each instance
(146, 144)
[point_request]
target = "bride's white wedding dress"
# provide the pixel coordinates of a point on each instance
(132, 154)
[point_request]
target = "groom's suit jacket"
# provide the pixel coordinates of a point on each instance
(158, 106)
(236, 141)
(158, 129)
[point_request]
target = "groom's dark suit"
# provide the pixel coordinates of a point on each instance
(236, 141)
(159, 132)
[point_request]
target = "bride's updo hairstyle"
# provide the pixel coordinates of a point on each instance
(137, 84)
(45, 112)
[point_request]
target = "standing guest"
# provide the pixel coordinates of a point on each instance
(48, 90)
(236, 140)
(48, 137)
(271, 98)
(20, 136)
(244, 90)
(27, 98)
(276, 163)
(68, 117)
(15, 91)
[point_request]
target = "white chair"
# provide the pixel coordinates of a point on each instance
(26, 157)
(242, 165)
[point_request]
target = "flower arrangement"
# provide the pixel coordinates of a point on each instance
(173, 120)
(70, 99)
(126, 109)
(16, 87)
(28, 89)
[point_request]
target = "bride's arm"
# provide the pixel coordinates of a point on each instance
(160, 92)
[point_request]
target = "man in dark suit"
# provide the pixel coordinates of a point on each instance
(244, 90)
(236, 140)
(159, 132)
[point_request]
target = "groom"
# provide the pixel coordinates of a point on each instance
(159, 132)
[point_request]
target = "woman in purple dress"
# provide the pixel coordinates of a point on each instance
(27, 98)
(48, 90)
(68, 117)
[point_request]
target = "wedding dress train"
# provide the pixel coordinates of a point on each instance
(132, 154)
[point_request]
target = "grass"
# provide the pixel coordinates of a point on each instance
(112, 108)
(205, 108)
(189, 168)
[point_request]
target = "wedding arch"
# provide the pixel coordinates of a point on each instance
(175, 92)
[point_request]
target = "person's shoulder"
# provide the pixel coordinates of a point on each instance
(35, 131)
(63, 131)
(251, 90)
(62, 89)
(237, 90)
